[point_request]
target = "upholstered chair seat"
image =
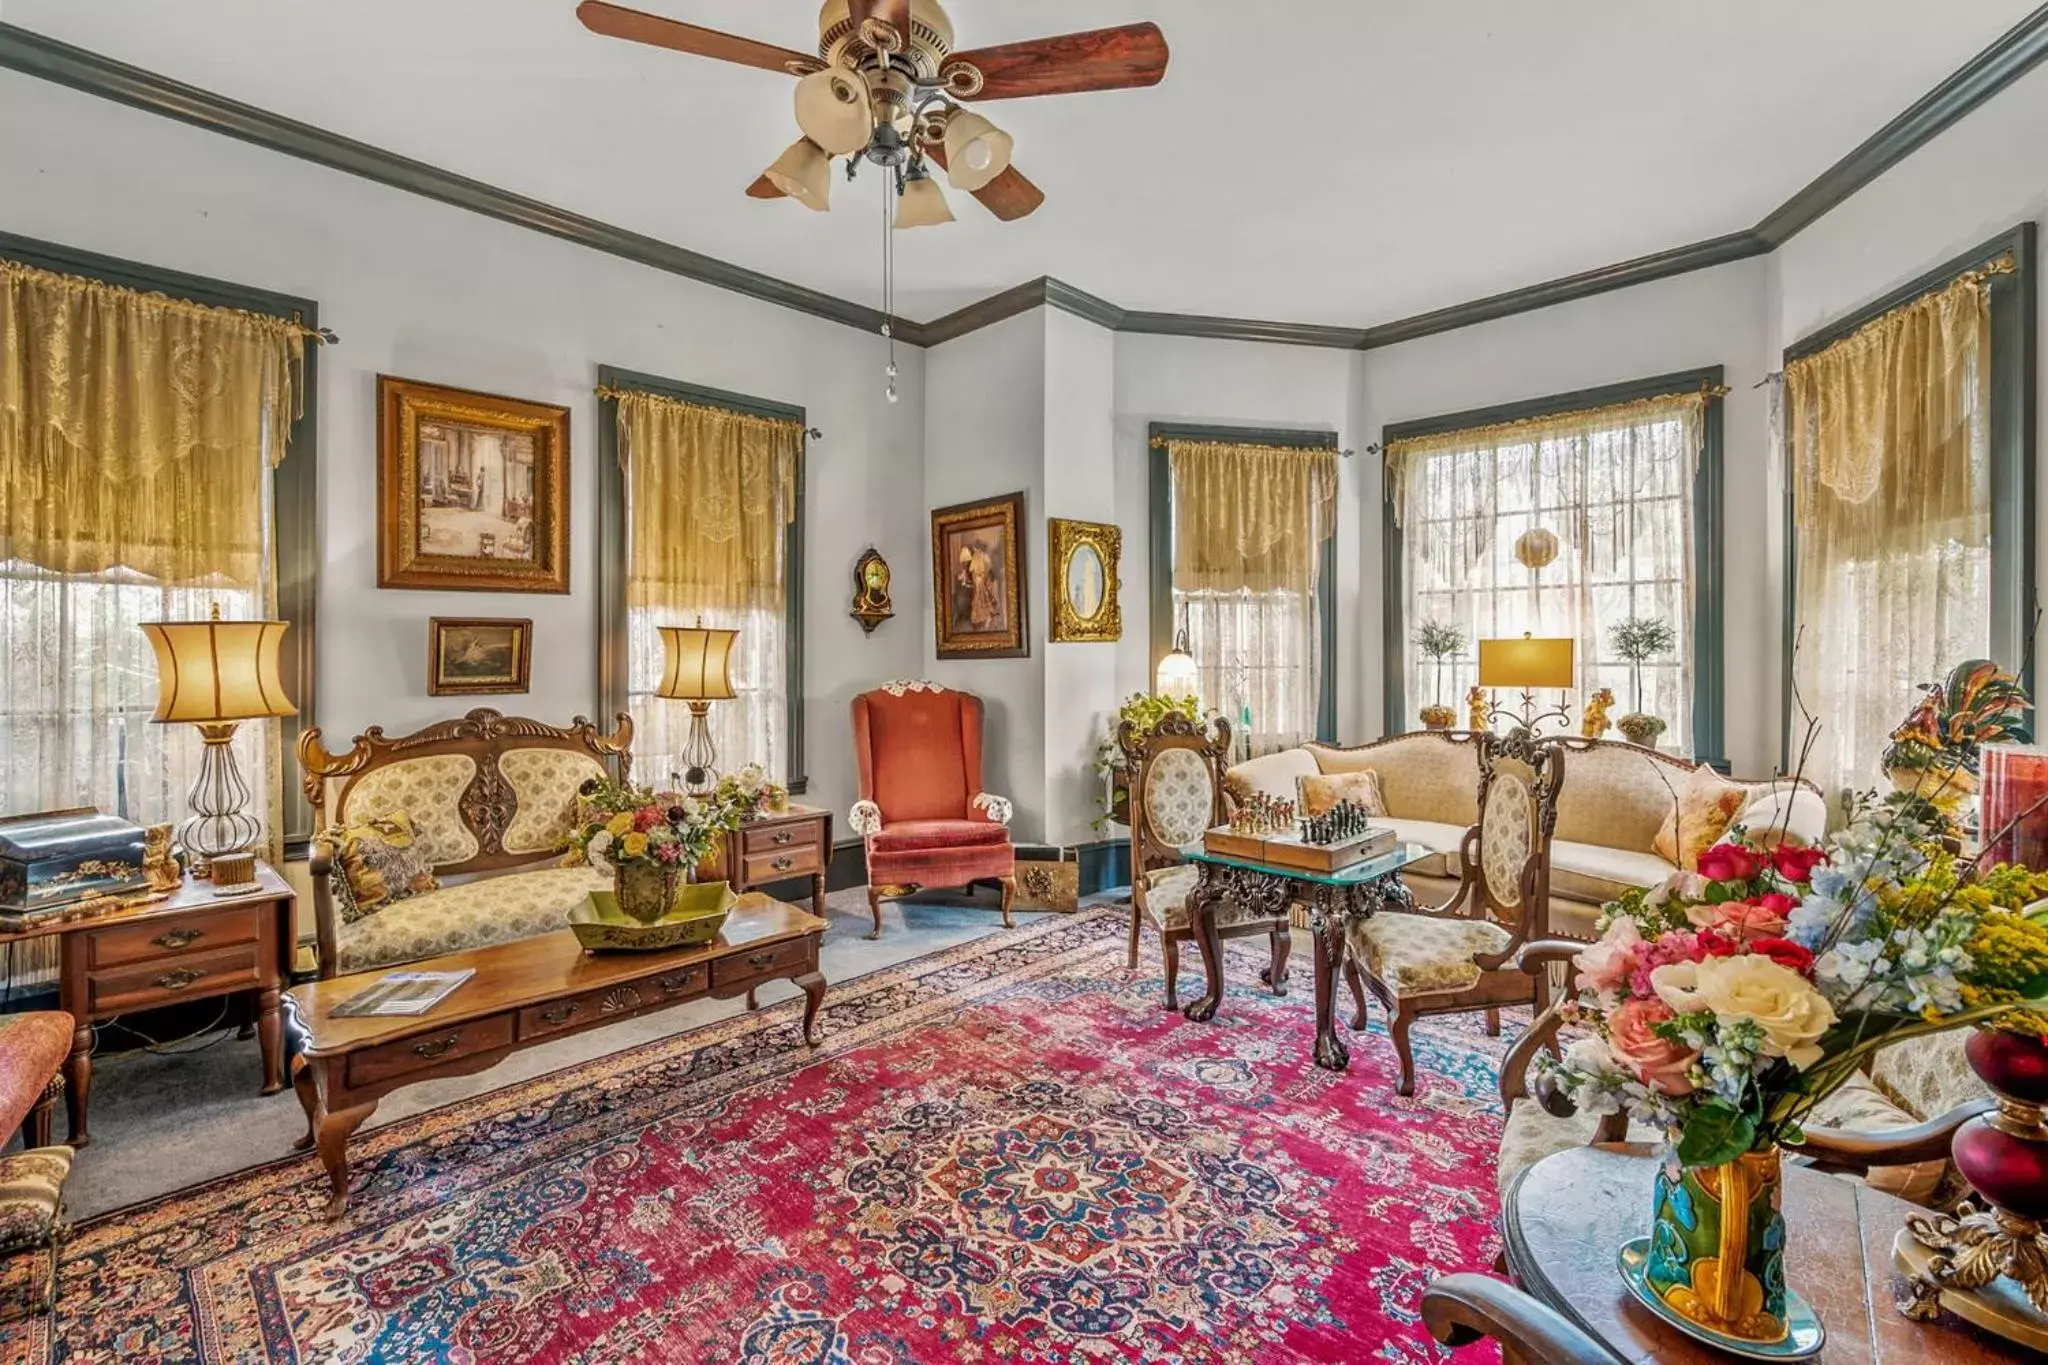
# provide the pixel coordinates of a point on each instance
(1422, 954)
(922, 813)
(33, 1046)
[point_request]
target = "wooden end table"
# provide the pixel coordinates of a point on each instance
(778, 846)
(1332, 901)
(523, 993)
(193, 945)
(1566, 1217)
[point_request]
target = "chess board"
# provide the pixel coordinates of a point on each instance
(1287, 849)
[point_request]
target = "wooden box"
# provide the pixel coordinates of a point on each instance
(62, 857)
(1288, 851)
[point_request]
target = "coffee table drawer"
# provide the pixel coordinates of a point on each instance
(162, 981)
(798, 860)
(126, 943)
(628, 997)
(750, 965)
(780, 838)
(374, 1064)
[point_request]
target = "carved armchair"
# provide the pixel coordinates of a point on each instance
(1460, 957)
(922, 813)
(1176, 795)
(1460, 1310)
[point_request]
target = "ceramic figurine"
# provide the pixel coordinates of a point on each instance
(1476, 708)
(1595, 723)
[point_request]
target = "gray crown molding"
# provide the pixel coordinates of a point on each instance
(1983, 76)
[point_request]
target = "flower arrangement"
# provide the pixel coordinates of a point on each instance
(622, 825)
(749, 792)
(1722, 1005)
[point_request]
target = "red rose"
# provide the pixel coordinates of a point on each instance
(1785, 953)
(1796, 864)
(1713, 944)
(1729, 863)
(646, 818)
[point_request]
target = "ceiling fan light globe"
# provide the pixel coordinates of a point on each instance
(804, 173)
(976, 151)
(832, 109)
(922, 204)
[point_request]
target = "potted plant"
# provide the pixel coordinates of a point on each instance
(1640, 639)
(1439, 642)
(750, 793)
(1723, 1005)
(651, 842)
(1144, 710)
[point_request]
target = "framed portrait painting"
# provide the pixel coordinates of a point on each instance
(469, 657)
(1084, 582)
(472, 490)
(978, 609)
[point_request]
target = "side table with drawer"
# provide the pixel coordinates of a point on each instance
(193, 945)
(787, 845)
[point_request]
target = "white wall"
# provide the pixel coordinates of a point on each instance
(429, 292)
(1709, 317)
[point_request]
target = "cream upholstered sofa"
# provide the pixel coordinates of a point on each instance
(491, 799)
(1614, 799)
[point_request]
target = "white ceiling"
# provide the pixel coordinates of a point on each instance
(1334, 161)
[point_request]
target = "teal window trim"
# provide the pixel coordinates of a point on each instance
(1161, 550)
(1709, 724)
(294, 483)
(611, 561)
(2015, 341)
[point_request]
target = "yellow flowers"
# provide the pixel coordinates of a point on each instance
(633, 845)
(620, 825)
(2008, 949)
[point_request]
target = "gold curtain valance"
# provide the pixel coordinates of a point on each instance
(710, 492)
(1578, 425)
(1250, 516)
(1884, 417)
(137, 430)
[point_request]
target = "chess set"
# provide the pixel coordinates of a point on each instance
(1267, 829)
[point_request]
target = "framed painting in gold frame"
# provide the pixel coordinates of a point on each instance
(1085, 585)
(472, 490)
(978, 604)
(475, 657)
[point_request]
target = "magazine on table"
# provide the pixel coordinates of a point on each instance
(402, 994)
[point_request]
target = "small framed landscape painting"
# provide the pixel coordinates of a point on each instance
(468, 657)
(1085, 583)
(978, 609)
(472, 490)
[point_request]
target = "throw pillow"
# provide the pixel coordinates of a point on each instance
(1321, 794)
(1774, 817)
(1707, 805)
(382, 862)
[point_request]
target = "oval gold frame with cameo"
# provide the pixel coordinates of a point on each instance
(1086, 602)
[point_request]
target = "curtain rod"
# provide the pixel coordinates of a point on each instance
(611, 391)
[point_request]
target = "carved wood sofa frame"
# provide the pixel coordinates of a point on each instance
(487, 806)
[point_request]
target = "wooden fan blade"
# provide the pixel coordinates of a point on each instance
(616, 21)
(1101, 59)
(1009, 196)
(764, 188)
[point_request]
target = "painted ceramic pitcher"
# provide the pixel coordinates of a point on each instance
(1717, 1246)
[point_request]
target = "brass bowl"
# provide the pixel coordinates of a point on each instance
(700, 913)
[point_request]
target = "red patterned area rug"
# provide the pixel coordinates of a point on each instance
(1009, 1151)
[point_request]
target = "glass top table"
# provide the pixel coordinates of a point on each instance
(1332, 901)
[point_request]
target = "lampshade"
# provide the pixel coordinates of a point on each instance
(1178, 675)
(832, 109)
(976, 151)
(1526, 663)
(804, 173)
(209, 671)
(923, 203)
(696, 663)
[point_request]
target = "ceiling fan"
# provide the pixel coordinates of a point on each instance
(887, 87)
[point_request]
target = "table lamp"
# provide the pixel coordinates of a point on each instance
(697, 669)
(1528, 663)
(216, 674)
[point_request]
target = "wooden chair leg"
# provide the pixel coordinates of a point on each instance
(1172, 947)
(1357, 983)
(875, 909)
(1397, 1029)
(1281, 941)
(1493, 1023)
(1009, 894)
(1137, 922)
(36, 1130)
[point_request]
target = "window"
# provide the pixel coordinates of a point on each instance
(1244, 561)
(1624, 483)
(1908, 445)
(77, 676)
(723, 476)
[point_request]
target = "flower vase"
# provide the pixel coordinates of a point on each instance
(1438, 717)
(1717, 1246)
(646, 889)
(1641, 729)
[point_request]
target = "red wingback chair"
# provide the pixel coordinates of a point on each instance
(922, 811)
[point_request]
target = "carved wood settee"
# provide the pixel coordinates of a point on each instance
(491, 799)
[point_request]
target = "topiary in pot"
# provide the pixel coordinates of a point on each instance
(1439, 642)
(1639, 639)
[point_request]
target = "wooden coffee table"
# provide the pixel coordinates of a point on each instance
(523, 993)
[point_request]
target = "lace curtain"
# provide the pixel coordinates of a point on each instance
(1249, 522)
(137, 435)
(710, 494)
(1615, 486)
(1888, 448)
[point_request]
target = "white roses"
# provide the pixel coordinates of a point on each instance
(1784, 1005)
